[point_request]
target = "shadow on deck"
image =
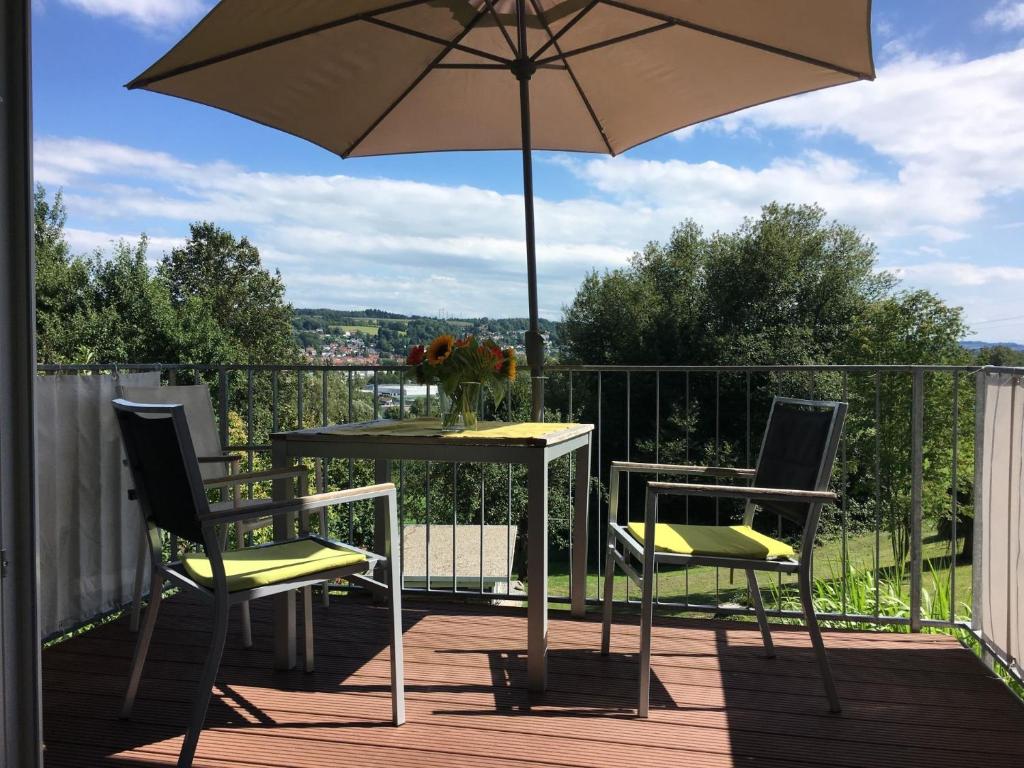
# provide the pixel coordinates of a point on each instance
(908, 699)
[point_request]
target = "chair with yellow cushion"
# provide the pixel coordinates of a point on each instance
(791, 480)
(172, 496)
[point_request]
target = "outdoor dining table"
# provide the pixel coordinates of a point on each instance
(532, 444)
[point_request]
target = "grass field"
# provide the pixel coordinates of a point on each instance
(369, 330)
(711, 586)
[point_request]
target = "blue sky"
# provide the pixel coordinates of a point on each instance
(928, 161)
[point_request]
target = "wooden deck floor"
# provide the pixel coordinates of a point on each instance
(909, 700)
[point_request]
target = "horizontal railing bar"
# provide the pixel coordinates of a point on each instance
(54, 368)
(566, 368)
(559, 368)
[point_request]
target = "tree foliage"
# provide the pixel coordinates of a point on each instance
(208, 302)
(788, 288)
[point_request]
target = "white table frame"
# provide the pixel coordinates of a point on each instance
(536, 453)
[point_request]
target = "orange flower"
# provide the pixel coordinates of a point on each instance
(440, 349)
(464, 342)
(499, 358)
(416, 355)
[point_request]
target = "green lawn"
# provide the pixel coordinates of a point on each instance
(370, 330)
(712, 586)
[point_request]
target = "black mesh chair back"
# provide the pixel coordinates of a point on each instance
(163, 466)
(799, 447)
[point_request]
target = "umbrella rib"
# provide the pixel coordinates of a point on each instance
(439, 41)
(449, 46)
(572, 75)
(504, 32)
(501, 67)
(740, 39)
(607, 42)
(142, 82)
(569, 25)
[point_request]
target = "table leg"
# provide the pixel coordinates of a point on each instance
(580, 519)
(537, 574)
(284, 603)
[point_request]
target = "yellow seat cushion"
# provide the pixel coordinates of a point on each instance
(263, 566)
(714, 541)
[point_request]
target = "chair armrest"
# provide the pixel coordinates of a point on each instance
(301, 504)
(243, 478)
(740, 492)
(225, 458)
(681, 469)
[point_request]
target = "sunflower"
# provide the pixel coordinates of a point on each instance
(510, 364)
(440, 349)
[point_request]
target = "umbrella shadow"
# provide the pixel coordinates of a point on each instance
(581, 683)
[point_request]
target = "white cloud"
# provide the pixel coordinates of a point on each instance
(1007, 15)
(941, 150)
(719, 196)
(960, 273)
(150, 15)
(344, 240)
(945, 132)
(989, 295)
(89, 240)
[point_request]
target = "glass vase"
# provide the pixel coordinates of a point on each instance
(458, 408)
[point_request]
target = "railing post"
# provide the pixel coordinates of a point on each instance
(916, 495)
(222, 403)
(978, 553)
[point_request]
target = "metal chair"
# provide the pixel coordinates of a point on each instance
(214, 463)
(172, 498)
(791, 479)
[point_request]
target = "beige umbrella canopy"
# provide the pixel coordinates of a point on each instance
(375, 77)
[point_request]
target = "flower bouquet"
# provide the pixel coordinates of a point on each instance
(459, 368)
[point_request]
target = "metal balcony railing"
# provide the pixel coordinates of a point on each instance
(904, 471)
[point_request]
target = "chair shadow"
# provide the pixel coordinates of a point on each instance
(163, 706)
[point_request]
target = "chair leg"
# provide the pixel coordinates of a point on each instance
(325, 595)
(307, 627)
(156, 585)
(397, 653)
(762, 619)
(607, 604)
(819, 646)
(140, 575)
(246, 624)
(206, 681)
(243, 608)
(646, 621)
(394, 556)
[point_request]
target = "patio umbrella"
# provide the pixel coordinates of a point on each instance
(376, 77)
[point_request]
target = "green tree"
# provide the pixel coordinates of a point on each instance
(64, 300)
(133, 318)
(910, 328)
(1001, 355)
(787, 288)
(218, 276)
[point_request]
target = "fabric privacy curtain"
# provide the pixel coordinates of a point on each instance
(999, 498)
(89, 533)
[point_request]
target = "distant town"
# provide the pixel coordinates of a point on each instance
(376, 337)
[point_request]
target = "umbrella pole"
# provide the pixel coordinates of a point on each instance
(523, 68)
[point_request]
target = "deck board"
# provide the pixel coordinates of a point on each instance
(908, 699)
